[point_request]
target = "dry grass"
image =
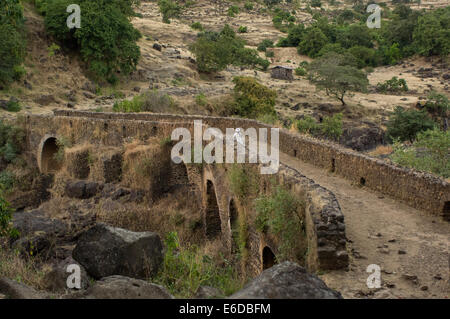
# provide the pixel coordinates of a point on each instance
(381, 150)
(174, 212)
(27, 271)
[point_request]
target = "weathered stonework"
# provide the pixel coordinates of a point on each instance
(324, 221)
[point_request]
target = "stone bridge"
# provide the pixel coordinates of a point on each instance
(324, 220)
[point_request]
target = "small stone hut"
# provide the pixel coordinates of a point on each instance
(282, 72)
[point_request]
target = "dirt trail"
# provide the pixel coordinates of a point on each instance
(403, 241)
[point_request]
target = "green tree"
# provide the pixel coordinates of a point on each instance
(106, 40)
(214, 51)
(252, 98)
(404, 124)
(169, 9)
(337, 75)
(12, 41)
(312, 42)
(432, 34)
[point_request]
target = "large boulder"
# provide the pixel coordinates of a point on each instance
(120, 287)
(104, 251)
(15, 290)
(287, 280)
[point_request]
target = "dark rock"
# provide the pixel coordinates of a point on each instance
(81, 189)
(206, 292)
(362, 138)
(106, 251)
(14, 290)
(45, 100)
(120, 287)
(90, 87)
(157, 46)
(287, 280)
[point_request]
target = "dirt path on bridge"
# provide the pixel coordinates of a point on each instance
(411, 247)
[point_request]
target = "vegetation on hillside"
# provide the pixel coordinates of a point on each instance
(107, 39)
(12, 42)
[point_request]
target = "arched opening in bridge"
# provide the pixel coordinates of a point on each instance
(446, 211)
(362, 181)
(268, 257)
(212, 215)
(49, 160)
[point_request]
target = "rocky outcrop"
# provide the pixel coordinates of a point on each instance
(120, 287)
(82, 189)
(106, 251)
(207, 292)
(15, 290)
(287, 280)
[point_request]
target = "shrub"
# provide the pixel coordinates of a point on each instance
(197, 26)
(242, 29)
(214, 51)
(252, 98)
(432, 32)
(12, 141)
(244, 183)
(404, 124)
(169, 9)
(150, 101)
(392, 85)
(248, 6)
(430, 153)
(281, 214)
(264, 44)
(185, 269)
(107, 39)
(332, 126)
(6, 229)
(312, 42)
(316, 3)
(233, 11)
(438, 105)
(307, 125)
(12, 41)
(300, 71)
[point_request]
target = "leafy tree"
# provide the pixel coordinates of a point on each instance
(169, 9)
(337, 75)
(438, 105)
(354, 35)
(393, 85)
(252, 98)
(332, 126)
(295, 36)
(106, 40)
(12, 41)
(404, 125)
(264, 44)
(313, 41)
(432, 33)
(214, 51)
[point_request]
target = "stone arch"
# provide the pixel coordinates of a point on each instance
(446, 211)
(268, 258)
(47, 151)
(213, 224)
